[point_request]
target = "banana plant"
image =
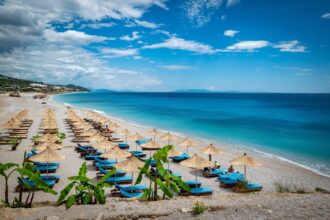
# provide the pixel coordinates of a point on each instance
(86, 192)
(163, 179)
(6, 170)
(62, 136)
(35, 139)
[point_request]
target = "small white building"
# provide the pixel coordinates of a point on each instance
(39, 85)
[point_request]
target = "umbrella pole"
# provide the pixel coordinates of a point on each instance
(210, 157)
(196, 174)
(154, 137)
(132, 182)
(187, 149)
(126, 139)
(244, 171)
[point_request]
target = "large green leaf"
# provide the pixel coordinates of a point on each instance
(106, 176)
(70, 201)
(144, 170)
(28, 166)
(6, 166)
(146, 193)
(174, 187)
(86, 199)
(164, 188)
(32, 176)
(65, 192)
(83, 170)
(80, 178)
(99, 195)
(181, 183)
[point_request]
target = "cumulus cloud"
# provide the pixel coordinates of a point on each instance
(175, 67)
(249, 46)
(135, 36)
(326, 16)
(145, 24)
(182, 44)
(72, 37)
(290, 46)
(70, 64)
(232, 3)
(200, 12)
(97, 25)
(230, 33)
(114, 52)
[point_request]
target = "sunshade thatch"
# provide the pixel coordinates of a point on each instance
(245, 161)
(154, 132)
(132, 164)
(196, 162)
(188, 142)
(151, 145)
(45, 145)
(116, 153)
(125, 133)
(168, 137)
(48, 138)
(173, 153)
(136, 137)
(47, 155)
(211, 150)
(104, 144)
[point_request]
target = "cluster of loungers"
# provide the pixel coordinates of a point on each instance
(47, 173)
(18, 127)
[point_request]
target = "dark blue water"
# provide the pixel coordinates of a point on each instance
(292, 126)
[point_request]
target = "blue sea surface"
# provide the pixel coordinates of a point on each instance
(292, 126)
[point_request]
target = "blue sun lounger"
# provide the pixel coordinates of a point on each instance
(229, 179)
(103, 172)
(143, 141)
(50, 164)
(106, 166)
(56, 178)
(123, 146)
(180, 158)
(135, 188)
(99, 160)
(31, 184)
(119, 180)
(193, 184)
(138, 153)
(45, 169)
(130, 195)
(93, 156)
(201, 191)
(214, 173)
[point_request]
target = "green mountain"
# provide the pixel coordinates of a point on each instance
(8, 84)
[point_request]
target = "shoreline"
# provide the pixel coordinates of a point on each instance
(205, 141)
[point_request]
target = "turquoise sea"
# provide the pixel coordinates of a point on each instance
(294, 127)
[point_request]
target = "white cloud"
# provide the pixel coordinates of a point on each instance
(181, 44)
(114, 52)
(232, 3)
(97, 25)
(249, 46)
(175, 67)
(290, 46)
(70, 64)
(326, 16)
(200, 12)
(230, 33)
(147, 24)
(72, 37)
(135, 36)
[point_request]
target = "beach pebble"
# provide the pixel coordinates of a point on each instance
(53, 217)
(184, 210)
(270, 211)
(100, 216)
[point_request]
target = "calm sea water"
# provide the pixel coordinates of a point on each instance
(292, 126)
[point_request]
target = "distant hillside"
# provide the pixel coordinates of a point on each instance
(8, 84)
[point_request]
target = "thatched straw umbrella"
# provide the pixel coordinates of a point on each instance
(45, 145)
(196, 162)
(188, 142)
(245, 161)
(168, 137)
(211, 150)
(154, 132)
(135, 137)
(125, 133)
(151, 146)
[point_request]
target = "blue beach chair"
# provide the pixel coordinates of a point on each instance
(119, 180)
(180, 158)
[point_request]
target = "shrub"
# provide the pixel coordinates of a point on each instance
(281, 187)
(198, 208)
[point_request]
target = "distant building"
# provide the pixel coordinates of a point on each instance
(38, 85)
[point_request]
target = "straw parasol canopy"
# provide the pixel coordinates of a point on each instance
(151, 145)
(96, 138)
(211, 150)
(168, 137)
(48, 138)
(173, 153)
(136, 137)
(188, 142)
(104, 144)
(131, 165)
(45, 145)
(125, 133)
(196, 162)
(10, 125)
(154, 132)
(245, 161)
(116, 153)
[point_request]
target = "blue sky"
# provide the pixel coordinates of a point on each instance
(156, 45)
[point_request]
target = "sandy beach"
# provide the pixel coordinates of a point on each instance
(263, 205)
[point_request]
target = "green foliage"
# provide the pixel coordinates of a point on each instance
(35, 138)
(198, 208)
(86, 192)
(25, 171)
(165, 181)
(14, 142)
(281, 187)
(61, 135)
